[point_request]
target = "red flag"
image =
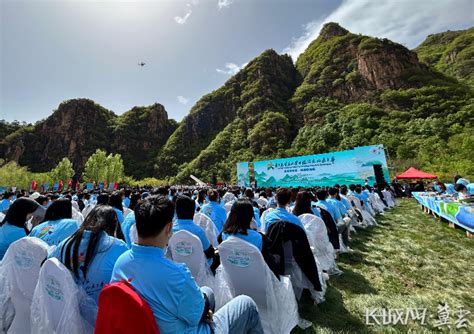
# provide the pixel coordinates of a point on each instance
(34, 185)
(115, 185)
(60, 185)
(69, 184)
(78, 185)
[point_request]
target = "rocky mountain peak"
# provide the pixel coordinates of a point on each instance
(331, 30)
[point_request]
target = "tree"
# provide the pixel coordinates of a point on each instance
(95, 168)
(13, 175)
(115, 168)
(101, 167)
(63, 171)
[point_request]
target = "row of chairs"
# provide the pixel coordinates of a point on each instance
(41, 297)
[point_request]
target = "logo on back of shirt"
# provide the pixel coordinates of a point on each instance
(45, 230)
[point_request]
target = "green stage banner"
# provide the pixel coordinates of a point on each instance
(326, 169)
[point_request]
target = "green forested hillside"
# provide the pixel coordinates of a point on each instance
(344, 91)
(359, 90)
(218, 130)
(450, 52)
(354, 90)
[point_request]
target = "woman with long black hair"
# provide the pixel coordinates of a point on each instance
(13, 226)
(57, 224)
(90, 253)
(115, 201)
(238, 225)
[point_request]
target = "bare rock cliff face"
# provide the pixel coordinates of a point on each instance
(352, 67)
(80, 126)
(139, 135)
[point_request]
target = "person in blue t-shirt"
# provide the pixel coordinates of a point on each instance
(57, 225)
(127, 224)
(323, 203)
(214, 210)
(13, 226)
(335, 200)
(6, 202)
(238, 225)
(90, 253)
(129, 219)
(115, 201)
(177, 303)
(283, 197)
(185, 209)
(458, 179)
(342, 227)
(126, 198)
(249, 194)
(303, 204)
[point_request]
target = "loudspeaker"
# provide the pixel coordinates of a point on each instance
(378, 173)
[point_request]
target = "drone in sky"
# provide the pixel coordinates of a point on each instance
(141, 64)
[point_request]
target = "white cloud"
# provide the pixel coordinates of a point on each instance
(231, 68)
(224, 3)
(181, 99)
(403, 21)
(183, 19)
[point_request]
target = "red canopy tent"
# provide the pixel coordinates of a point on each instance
(413, 173)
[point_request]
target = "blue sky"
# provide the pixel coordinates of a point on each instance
(52, 51)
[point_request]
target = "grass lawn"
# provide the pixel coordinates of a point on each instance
(409, 260)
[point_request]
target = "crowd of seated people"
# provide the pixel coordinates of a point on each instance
(123, 236)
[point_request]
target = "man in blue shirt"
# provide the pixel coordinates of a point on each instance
(342, 227)
(185, 208)
(322, 196)
(178, 304)
(214, 210)
(283, 197)
(6, 202)
(337, 202)
(126, 198)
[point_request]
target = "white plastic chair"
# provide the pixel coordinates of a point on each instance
(319, 242)
(77, 216)
(126, 211)
(55, 306)
(243, 271)
(186, 248)
(19, 273)
(262, 219)
(262, 202)
(300, 281)
(368, 219)
(229, 197)
(228, 206)
(209, 227)
(376, 203)
(388, 198)
(87, 209)
(133, 234)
